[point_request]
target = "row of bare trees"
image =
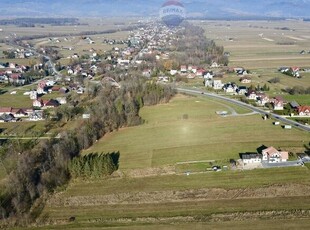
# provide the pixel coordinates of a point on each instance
(43, 167)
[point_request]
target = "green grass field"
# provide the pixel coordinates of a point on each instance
(300, 99)
(166, 138)
(131, 199)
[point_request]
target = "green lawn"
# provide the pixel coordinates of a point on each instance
(31, 128)
(300, 99)
(17, 100)
(167, 138)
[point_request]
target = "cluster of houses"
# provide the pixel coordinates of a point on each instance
(230, 87)
(21, 53)
(13, 73)
(291, 71)
(269, 155)
(9, 114)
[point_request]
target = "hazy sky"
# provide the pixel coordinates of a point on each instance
(211, 8)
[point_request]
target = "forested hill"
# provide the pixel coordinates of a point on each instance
(202, 8)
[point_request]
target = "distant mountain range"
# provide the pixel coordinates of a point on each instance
(194, 8)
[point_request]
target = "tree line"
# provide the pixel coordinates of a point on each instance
(298, 90)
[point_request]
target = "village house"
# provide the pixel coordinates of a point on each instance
(208, 75)
(183, 69)
(200, 72)
(173, 72)
(295, 71)
(3, 78)
(262, 99)
(16, 112)
(217, 84)
(272, 155)
(50, 104)
(208, 79)
(251, 95)
(303, 110)
(33, 95)
(230, 88)
(277, 103)
(194, 69)
(245, 80)
(16, 78)
(242, 90)
(214, 65)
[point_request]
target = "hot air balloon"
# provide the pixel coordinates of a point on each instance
(172, 13)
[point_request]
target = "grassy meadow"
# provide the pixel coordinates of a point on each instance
(166, 137)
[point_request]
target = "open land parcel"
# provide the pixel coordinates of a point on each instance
(146, 190)
(167, 138)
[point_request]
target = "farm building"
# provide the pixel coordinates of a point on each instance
(250, 158)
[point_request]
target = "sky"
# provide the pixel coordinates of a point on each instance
(103, 8)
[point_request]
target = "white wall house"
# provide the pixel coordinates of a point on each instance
(274, 156)
(217, 84)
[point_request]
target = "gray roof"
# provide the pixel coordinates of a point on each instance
(251, 155)
(294, 104)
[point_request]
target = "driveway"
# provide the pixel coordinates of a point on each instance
(282, 164)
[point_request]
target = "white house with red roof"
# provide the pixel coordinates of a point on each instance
(273, 155)
(16, 78)
(183, 69)
(194, 69)
(303, 110)
(251, 95)
(262, 99)
(277, 102)
(200, 72)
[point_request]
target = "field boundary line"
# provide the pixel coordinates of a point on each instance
(192, 162)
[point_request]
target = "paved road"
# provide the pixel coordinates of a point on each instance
(255, 109)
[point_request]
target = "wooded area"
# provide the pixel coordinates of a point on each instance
(43, 167)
